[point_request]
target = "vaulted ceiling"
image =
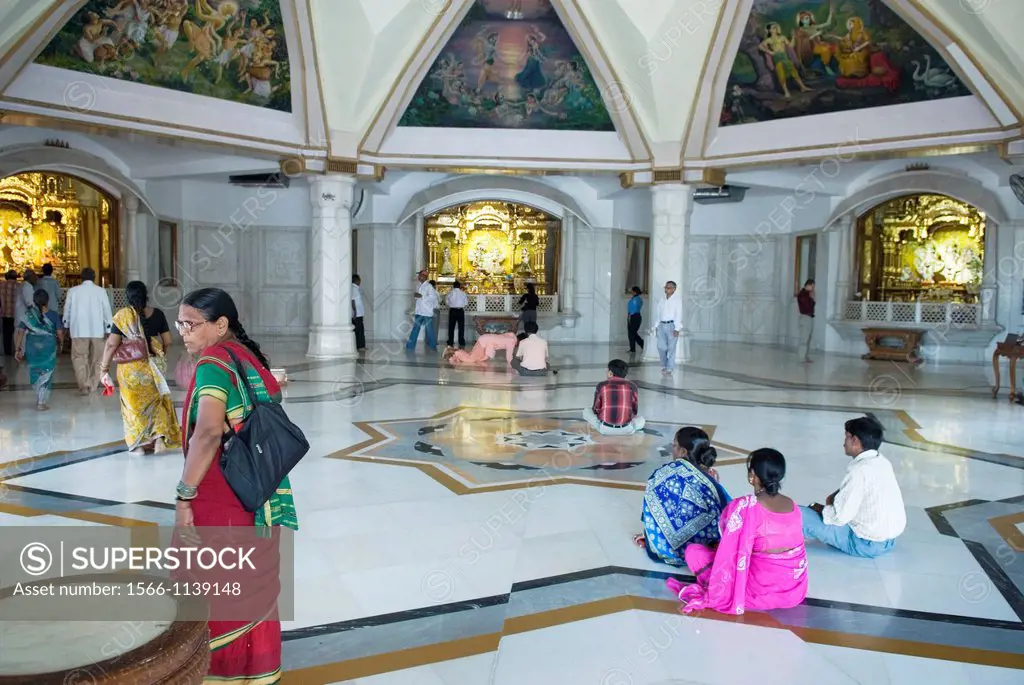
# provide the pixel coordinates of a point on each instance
(525, 83)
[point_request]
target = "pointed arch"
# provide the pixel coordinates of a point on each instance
(28, 158)
(935, 182)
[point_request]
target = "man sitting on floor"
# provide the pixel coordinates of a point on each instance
(865, 515)
(616, 403)
(531, 357)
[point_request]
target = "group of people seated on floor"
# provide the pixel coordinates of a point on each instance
(748, 552)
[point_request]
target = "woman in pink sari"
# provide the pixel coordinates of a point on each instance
(760, 562)
(485, 348)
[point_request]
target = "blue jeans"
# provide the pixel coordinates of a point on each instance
(428, 323)
(667, 345)
(841, 537)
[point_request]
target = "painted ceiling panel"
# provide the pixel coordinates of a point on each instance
(803, 57)
(510, 64)
(228, 49)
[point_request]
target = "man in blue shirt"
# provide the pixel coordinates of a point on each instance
(636, 303)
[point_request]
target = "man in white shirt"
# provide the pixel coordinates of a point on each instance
(426, 303)
(358, 311)
(88, 318)
(866, 514)
(457, 301)
(668, 322)
(531, 356)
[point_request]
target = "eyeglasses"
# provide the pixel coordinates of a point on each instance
(184, 327)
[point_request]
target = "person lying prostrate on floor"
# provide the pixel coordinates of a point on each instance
(866, 514)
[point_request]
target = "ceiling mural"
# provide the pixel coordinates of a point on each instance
(228, 49)
(803, 57)
(509, 64)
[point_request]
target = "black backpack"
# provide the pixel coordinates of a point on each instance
(257, 457)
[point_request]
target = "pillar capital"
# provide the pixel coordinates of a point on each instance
(331, 191)
(131, 203)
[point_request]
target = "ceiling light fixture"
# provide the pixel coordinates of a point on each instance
(515, 11)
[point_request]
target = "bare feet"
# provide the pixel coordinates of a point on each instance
(640, 540)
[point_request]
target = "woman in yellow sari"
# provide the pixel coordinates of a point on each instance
(146, 406)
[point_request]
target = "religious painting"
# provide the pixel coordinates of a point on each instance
(228, 49)
(510, 64)
(804, 57)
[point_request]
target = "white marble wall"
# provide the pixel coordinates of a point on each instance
(264, 268)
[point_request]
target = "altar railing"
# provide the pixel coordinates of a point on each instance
(118, 298)
(503, 304)
(927, 313)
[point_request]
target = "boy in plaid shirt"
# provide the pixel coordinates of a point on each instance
(616, 403)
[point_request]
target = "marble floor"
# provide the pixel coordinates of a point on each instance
(466, 527)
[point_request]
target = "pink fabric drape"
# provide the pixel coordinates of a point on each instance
(485, 348)
(739, 575)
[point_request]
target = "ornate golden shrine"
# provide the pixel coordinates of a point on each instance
(921, 247)
(43, 220)
(493, 247)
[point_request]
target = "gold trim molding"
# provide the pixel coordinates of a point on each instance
(337, 165)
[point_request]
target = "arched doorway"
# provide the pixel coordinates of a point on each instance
(58, 219)
(920, 248)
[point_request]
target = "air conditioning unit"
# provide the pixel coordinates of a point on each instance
(271, 180)
(719, 194)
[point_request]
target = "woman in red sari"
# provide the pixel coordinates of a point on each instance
(243, 652)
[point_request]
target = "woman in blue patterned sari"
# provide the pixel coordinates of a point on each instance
(683, 500)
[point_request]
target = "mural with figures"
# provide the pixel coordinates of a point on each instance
(509, 64)
(801, 57)
(228, 49)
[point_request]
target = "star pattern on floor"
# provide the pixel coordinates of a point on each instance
(476, 449)
(558, 439)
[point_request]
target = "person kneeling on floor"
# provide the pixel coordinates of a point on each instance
(616, 403)
(866, 514)
(531, 355)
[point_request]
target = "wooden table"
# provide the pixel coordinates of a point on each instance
(1013, 352)
(907, 352)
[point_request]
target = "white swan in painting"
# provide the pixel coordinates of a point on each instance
(932, 77)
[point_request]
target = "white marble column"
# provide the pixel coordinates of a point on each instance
(419, 236)
(331, 334)
(131, 238)
(672, 205)
(567, 287)
(844, 266)
(990, 273)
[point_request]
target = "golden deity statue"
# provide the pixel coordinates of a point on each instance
(492, 248)
(921, 247)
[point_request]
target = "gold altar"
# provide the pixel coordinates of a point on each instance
(493, 248)
(57, 219)
(921, 247)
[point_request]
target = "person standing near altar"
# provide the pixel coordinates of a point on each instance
(426, 303)
(457, 301)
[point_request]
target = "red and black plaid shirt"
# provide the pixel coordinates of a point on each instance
(616, 401)
(9, 291)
